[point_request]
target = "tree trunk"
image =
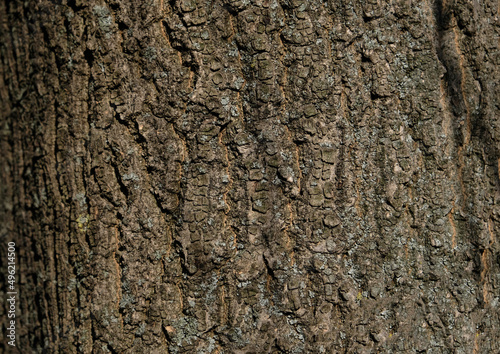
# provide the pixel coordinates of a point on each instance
(287, 176)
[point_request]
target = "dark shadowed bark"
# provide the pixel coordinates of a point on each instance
(260, 176)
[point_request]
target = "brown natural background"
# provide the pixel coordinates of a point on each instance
(251, 176)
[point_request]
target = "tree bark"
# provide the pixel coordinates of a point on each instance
(230, 176)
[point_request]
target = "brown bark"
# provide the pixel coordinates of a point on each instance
(252, 177)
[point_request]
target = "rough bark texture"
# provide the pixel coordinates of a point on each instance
(224, 176)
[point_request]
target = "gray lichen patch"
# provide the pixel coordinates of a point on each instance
(104, 18)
